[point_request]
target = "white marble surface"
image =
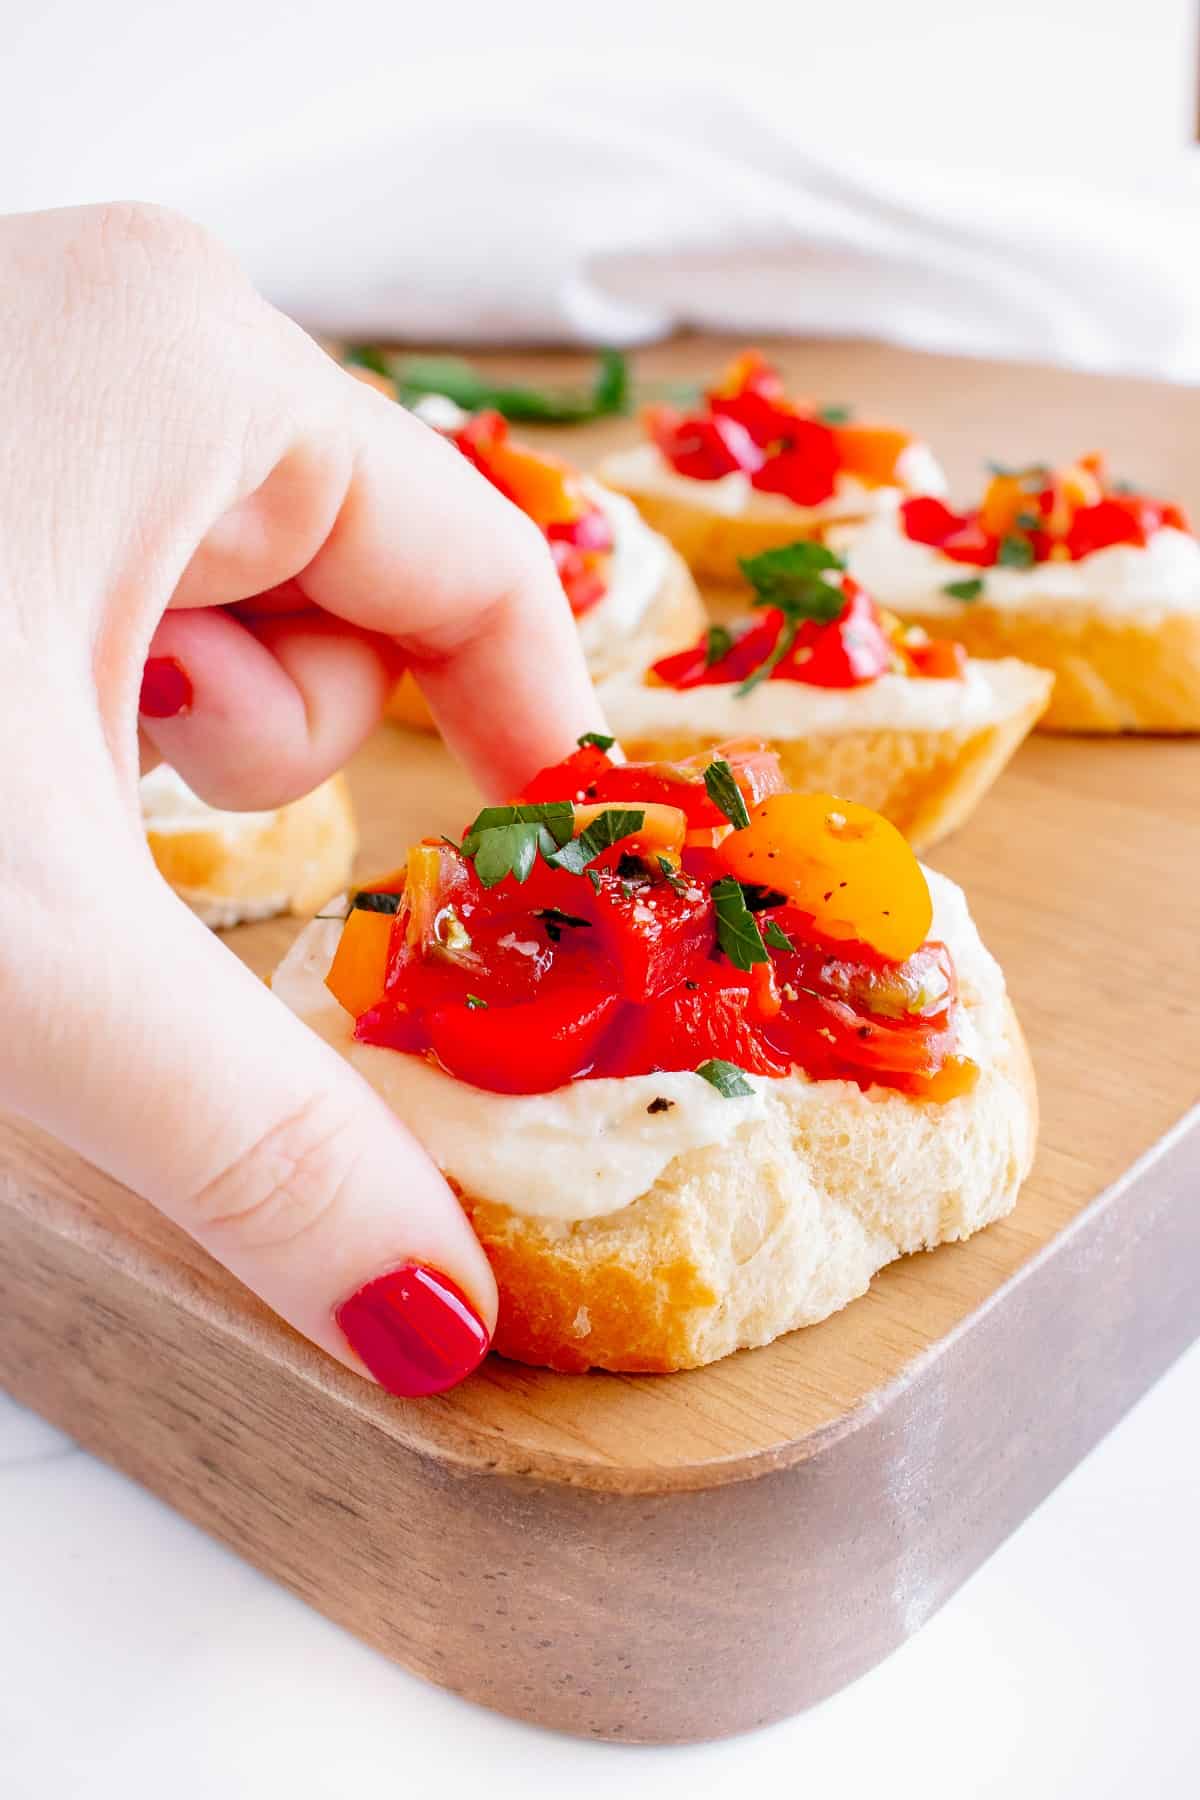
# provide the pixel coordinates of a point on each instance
(139, 1661)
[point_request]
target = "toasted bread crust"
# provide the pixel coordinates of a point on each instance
(301, 856)
(926, 782)
(1133, 672)
(712, 543)
(674, 619)
(653, 1288)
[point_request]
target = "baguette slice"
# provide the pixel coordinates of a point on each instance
(1135, 671)
(712, 541)
(674, 618)
(231, 868)
(773, 1218)
(927, 779)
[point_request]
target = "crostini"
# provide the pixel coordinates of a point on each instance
(632, 596)
(752, 469)
(1063, 568)
(700, 1055)
(234, 867)
(848, 698)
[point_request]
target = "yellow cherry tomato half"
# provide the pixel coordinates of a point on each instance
(844, 865)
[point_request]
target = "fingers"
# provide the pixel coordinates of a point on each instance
(196, 1088)
(395, 535)
(269, 706)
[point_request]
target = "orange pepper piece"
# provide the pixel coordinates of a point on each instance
(871, 451)
(1004, 497)
(846, 867)
(541, 486)
(356, 975)
(957, 1075)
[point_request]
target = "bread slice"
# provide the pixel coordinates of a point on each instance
(713, 540)
(748, 1218)
(925, 777)
(234, 867)
(674, 618)
(1136, 670)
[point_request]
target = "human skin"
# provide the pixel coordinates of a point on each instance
(185, 475)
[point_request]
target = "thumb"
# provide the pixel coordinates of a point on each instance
(163, 1060)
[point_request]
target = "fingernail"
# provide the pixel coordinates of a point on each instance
(166, 690)
(415, 1329)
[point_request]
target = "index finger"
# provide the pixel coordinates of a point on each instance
(396, 534)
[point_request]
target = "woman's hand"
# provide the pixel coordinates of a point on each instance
(172, 448)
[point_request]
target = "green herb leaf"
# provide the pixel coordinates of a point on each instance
(965, 590)
(737, 928)
(835, 415)
(373, 902)
(725, 793)
(555, 920)
(593, 876)
(596, 739)
(558, 816)
(605, 830)
(777, 937)
(1028, 521)
(718, 642)
(726, 1077)
(679, 884)
(418, 376)
(1015, 553)
(475, 1003)
(611, 388)
(505, 840)
(793, 576)
(793, 579)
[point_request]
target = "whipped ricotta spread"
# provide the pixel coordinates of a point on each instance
(635, 577)
(593, 1147)
(643, 469)
(169, 807)
(790, 709)
(1164, 575)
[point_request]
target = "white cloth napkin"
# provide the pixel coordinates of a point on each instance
(609, 211)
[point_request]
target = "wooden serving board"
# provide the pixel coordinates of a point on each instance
(679, 1557)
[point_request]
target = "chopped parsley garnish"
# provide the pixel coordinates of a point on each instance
(505, 840)
(1015, 553)
(725, 793)
(726, 1077)
(416, 377)
(718, 642)
(737, 928)
(965, 590)
(679, 884)
(835, 415)
(555, 921)
(476, 1004)
(598, 740)
(777, 937)
(793, 580)
(1028, 521)
(605, 830)
(373, 902)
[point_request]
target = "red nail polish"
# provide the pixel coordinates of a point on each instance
(415, 1329)
(166, 690)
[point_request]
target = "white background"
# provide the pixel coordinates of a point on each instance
(137, 1659)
